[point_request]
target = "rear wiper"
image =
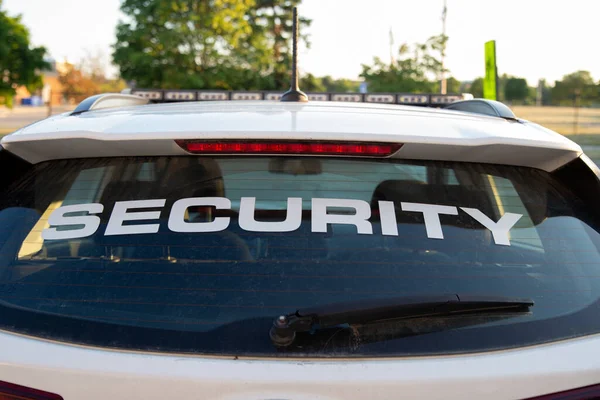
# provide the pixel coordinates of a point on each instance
(284, 329)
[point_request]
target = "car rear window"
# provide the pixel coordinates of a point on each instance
(200, 255)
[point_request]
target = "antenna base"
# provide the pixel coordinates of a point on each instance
(294, 95)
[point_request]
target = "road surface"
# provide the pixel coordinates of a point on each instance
(11, 120)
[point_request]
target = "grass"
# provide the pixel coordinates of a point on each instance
(561, 120)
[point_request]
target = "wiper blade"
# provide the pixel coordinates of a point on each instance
(284, 329)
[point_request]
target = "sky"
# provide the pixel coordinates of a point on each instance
(534, 38)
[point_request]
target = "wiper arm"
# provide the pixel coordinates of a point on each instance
(284, 329)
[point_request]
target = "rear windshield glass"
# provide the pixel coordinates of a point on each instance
(195, 254)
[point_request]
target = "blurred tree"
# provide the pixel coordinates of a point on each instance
(531, 98)
(453, 85)
(476, 88)
(546, 93)
(267, 50)
(180, 43)
(197, 44)
(502, 79)
(94, 67)
(516, 89)
(415, 69)
(20, 62)
(111, 85)
(582, 81)
(339, 85)
(94, 64)
(77, 86)
(310, 83)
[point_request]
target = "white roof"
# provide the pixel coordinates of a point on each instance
(426, 133)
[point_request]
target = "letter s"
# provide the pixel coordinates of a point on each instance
(57, 218)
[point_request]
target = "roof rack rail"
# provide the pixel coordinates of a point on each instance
(483, 106)
(108, 100)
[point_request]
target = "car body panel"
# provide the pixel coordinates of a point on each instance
(91, 373)
(80, 372)
(425, 133)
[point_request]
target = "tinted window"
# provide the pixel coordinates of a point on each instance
(139, 281)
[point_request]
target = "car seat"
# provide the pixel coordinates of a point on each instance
(189, 180)
(16, 223)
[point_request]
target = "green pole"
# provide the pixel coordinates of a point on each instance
(490, 82)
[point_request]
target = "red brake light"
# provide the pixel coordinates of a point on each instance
(584, 393)
(10, 391)
(289, 147)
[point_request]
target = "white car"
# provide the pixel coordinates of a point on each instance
(264, 250)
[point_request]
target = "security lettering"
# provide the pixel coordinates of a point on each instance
(324, 212)
(290, 224)
(177, 221)
(431, 215)
(321, 216)
(120, 214)
(90, 222)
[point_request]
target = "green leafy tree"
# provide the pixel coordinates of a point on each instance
(76, 85)
(516, 89)
(580, 82)
(476, 88)
(180, 43)
(198, 44)
(453, 85)
(340, 85)
(415, 70)
(311, 83)
(268, 49)
(87, 78)
(20, 62)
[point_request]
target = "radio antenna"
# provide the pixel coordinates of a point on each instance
(294, 94)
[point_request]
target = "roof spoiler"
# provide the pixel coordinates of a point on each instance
(134, 96)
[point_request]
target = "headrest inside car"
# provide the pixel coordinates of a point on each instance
(419, 192)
